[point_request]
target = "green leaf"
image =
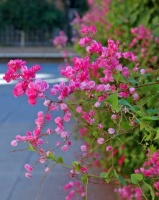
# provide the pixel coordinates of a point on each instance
(115, 174)
(153, 111)
(150, 118)
(133, 81)
(122, 180)
(119, 177)
(135, 178)
(118, 77)
(52, 156)
(125, 103)
(84, 179)
(60, 159)
(95, 134)
(31, 148)
(151, 190)
(142, 126)
(113, 100)
(152, 149)
(126, 126)
(104, 175)
(157, 135)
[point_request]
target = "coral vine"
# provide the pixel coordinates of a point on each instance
(104, 82)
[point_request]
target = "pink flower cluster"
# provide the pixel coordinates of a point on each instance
(33, 89)
(60, 40)
(150, 169)
(29, 169)
(76, 189)
(94, 80)
(143, 39)
(82, 77)
(129, 193)
(96, 14)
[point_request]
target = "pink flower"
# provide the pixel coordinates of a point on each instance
(93, 29)
(111, 131)
(156, 185)
(46, 102)
(142, 71)
(48, 117)
(47, 169)
(79, 109)
(63, 106)
(64, 134)
(85, 30)
(83, 169)
(83, 148)
(64, 148)
(40, 141)
(28, 175)
(49, 131)
(60, 40)
(14, 143)
(100, 140)
(67, 116)
(97, 104)
(132, 90)
(100, 126)
(114, 116)
(18, 137)
(42, 159)
(58, 143)
(28, 167)
(135, 96)
(108, 148)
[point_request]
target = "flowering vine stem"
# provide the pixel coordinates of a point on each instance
(102, 96)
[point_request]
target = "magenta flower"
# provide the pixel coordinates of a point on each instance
(28, 167)
(108, 148)
(64, 148)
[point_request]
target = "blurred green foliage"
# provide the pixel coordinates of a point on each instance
(29, 15)
(131, 13)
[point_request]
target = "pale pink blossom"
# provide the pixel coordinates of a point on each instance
(100, 141)
(132, 90)
(114, 116)
(97, 104)
(142, 71)
(64, 134)
(14, 143)
(64, 148)
(46, 102)
(111, 131)
(135, 96)
(58, 143)
(47, 169)
(83, 148)
(79, 109)
(42, 159)
(63, 106)
(28, 175)
(49, 131)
